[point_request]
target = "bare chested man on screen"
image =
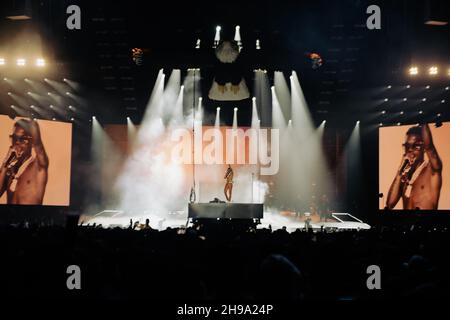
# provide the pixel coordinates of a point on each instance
(418, 181)
(24, 172)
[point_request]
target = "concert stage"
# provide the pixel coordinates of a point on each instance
(272, 219)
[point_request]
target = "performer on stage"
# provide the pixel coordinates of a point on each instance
(24, 172)
(324, 208)
(229, 183)
(418, 181)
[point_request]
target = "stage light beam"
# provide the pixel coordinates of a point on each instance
(413, 71)
(40, 62)
(433, 70)
(21, 62)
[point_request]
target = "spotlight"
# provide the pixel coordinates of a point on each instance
(408, 86)
(70, 107)
(438, 114)
(427, 87)
(433, 70)
(258, 44)
(21, 62)
(68, 93)
(442, 101)
(290, 122)
(446, 88)
(420, 112)
(9, 93)
(71, 119)
(381, 124)
(12, 106)
(28, 92)
(386, 99)
(49, 93)
(93, 117)
(64, 79)
(413, 71)
(404, 99)
(40, 62)
(51, 106)
(383, 112)
(6, 79)
(26, 79)
(2, 61)
(218, 28)
(235, 109)
(197, 44)
(357, 122)
(424, 99)
(253, 99)
(218, 108)
(389, 86)
(401, 112)
(128, 118)
(398, 123)
(45, 79)
(32, 107)
(54, 119)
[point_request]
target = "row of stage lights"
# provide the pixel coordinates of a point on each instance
(289, 122)
(432, 71)
(21, 62)
(406, 99)
(45, 79)
(48, 93)
(408, 87)
(50, 106)
(26, 79)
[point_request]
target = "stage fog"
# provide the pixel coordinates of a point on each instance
(141, 179)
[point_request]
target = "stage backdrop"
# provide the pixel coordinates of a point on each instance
(391, 152)
(145, 177)
(57, 140)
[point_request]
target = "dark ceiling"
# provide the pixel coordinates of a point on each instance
(357, 61)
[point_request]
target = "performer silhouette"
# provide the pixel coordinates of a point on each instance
(228, 190)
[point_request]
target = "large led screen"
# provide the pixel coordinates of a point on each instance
(413, 167)
(35, 162)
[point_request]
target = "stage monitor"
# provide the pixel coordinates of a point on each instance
(35, 162)
(413, 167)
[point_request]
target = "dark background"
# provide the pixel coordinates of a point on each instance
(351, 85)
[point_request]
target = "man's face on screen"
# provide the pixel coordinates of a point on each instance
(413, 148)
(21, 142)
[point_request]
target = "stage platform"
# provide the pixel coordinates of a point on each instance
(273, 219)
(224, 210)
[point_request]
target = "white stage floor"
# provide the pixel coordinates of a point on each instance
(112, 218)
